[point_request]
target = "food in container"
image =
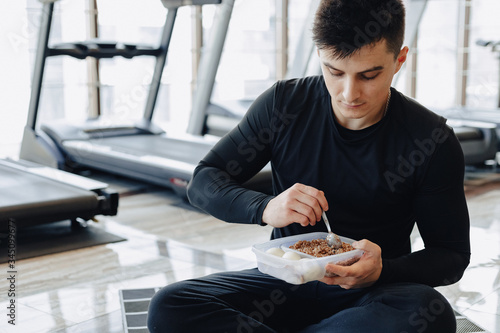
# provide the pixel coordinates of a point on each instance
(272, 261)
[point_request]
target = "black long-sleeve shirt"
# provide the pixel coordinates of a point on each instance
(379, 181)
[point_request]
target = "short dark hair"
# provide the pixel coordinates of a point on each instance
(345, 26)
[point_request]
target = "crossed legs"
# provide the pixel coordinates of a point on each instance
(249, 302)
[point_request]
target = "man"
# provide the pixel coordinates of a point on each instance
(347, 143)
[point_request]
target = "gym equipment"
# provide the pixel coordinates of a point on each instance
(495, 47)
(489, 115)
(477, 136)
(478, 139)
(221, 118)
(480, 127)
(33, 194)
(139, 150)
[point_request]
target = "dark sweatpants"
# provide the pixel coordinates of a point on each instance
(249, 301)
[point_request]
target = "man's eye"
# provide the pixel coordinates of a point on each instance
(337, 74)
(368, 77)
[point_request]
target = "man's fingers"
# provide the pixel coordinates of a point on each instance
(306, 206)
(312, 192)
(299, 204)
(360, 274)
(336, 270)
(313, 198)
(337, 275)
(370, 248)
(301, 218)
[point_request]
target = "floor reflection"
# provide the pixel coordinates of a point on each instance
(78, 291)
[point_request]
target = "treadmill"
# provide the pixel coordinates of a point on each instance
(478, 132)
(495, 48)
(222, 117)
(33, 194)
(482, 115)
(478, 138)
(138, 150)
(478, 135)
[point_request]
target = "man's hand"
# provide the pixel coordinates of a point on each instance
(299, 204)
(361, 274)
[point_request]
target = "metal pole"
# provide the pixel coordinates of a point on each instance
(209, 64)
(498, 76)
(414, 12)
(161, 59)
(41, 55)
(463, 52)
(305, 48)
(281, 38)
(93, 64)
(197, 44)
(411, 69)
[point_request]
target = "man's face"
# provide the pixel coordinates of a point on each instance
(359, 85)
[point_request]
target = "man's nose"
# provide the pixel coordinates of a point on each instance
(351, 91)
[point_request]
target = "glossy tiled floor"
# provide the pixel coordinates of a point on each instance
(167, 241)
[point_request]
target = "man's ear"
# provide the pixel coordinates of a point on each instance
(403, 54)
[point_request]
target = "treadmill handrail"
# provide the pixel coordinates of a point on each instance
(178, 3)
(161, 59)
(305, 47)
(209, 64)
(170, 3)
(97, 49)
(41, 56)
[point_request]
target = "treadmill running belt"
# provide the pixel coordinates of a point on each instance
(157, 159)
(158, 145)
(31, 199)
(154, 158)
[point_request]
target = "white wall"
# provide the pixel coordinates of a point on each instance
(15, 34)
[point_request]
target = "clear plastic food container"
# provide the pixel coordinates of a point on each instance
(308, 268)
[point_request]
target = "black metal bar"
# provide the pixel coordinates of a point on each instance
(99, 50)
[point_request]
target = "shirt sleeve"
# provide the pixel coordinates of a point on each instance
(443, 222)
(217, 186)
